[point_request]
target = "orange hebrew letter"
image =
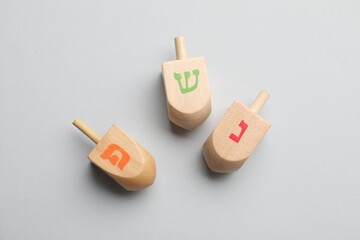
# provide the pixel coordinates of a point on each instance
(108, 155)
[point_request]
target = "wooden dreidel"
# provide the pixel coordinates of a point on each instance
(236, 136)
(119, 156)
(187, 88)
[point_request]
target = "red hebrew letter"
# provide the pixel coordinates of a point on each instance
(108, 155)
(235, 138)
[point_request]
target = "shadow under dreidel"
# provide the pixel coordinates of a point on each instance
(207, 172)
(106, 182)
(179, 130)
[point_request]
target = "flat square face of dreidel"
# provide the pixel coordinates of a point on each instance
(186, 84)
(117, 154)
(238, 133)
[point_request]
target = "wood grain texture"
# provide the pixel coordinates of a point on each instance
(223, 154)
(188, 100)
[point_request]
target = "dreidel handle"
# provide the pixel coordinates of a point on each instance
(87, 130)
(259, 101)
(180, 48)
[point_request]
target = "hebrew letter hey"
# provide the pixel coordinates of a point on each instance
(108, 154)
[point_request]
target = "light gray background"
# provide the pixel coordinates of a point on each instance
(101, 61)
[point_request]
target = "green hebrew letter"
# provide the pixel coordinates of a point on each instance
(187, 75)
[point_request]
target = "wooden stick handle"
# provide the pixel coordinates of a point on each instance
(259, 101)
(180, 48)
(87, 130)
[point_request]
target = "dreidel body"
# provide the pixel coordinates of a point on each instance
(119, 156)
(187, 89)
(236, 136)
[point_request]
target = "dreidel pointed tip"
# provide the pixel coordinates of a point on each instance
(214, 159)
